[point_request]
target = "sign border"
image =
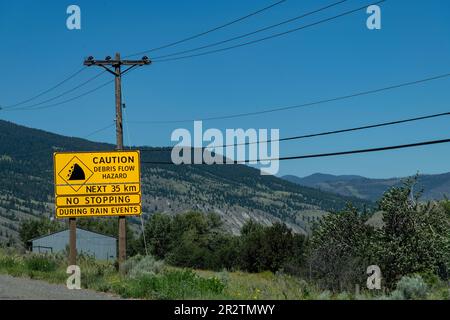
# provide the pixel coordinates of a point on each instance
(95, 216)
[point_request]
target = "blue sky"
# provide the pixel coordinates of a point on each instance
(332, 59)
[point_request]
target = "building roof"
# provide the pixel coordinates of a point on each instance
(53, 233)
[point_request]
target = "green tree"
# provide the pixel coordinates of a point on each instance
(158, 234)
(252, 243)
(415, 237)
(341, 249)
(269, 247)
(190, 239)
(278, 246)
(195, 238)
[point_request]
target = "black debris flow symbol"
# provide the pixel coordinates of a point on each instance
(76, 173)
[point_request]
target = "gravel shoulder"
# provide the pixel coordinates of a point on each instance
(26, 289)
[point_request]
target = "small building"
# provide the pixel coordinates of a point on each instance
(97, 245)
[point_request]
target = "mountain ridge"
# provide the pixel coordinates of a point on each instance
(236, 192)
(435, 186)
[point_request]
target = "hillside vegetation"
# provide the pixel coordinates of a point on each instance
(235, 192)
(410, 246)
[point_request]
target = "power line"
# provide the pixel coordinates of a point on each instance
(98, 130)
(97, 88)
(74, 98)
(402, 146)
(252, 33)
(150, 50)
(31, 107)
(208, 31)
(45, 91)
(308, 104)
(320, 155)
(298, 137)
(325, 133)
(372, 126)
(68, 100)
(271, 36)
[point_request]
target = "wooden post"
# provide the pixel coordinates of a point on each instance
(118, 90)
(119, 139)
(122, 240)
(72, 241)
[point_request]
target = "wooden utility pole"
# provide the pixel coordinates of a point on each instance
(118, 89)
(117, 72)
(72, 241)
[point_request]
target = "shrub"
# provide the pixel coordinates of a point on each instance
(224, 276)
(325, 295)
(139, 266)
(8, 262)
(410, 288)
(40, 263)
(344, 296)
(178, 284)
(95, 274)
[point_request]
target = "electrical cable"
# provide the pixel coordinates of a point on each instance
(325, 133)
(45, 91)
(208, 31)
(320, 155)
(31, 107)
(308, 104)
(271, 36)
(253, 32)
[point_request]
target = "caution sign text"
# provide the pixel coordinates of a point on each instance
(97, 184)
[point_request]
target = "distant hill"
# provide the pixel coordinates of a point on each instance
(236, 192)
(320, 177)
(435, 187)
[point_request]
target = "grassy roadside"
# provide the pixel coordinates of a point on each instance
(146, 278)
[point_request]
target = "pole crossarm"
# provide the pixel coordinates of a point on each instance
(90, 61)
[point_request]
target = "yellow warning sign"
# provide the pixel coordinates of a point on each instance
(97, 183)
